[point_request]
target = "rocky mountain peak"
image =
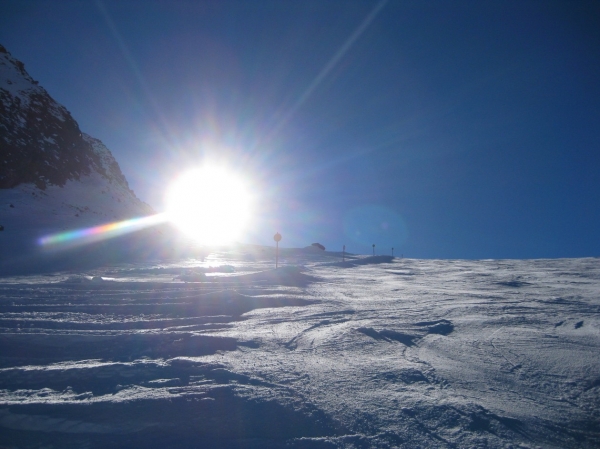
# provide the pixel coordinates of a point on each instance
(40, 142)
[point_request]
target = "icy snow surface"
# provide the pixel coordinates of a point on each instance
(318, 354)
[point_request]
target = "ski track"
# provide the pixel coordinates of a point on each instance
(395, 354)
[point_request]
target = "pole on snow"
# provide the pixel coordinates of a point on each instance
(277, 238)
(373, 248)
(343, 253)
(392, 251)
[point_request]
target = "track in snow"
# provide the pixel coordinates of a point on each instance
(401, 353)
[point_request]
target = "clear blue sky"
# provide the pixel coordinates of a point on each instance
(463, 129)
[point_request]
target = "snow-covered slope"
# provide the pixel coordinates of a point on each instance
(53, 177)
(90, 200)
(372, 353)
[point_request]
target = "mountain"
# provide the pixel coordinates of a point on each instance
(53, 177)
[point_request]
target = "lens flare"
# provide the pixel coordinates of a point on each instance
(102, 232)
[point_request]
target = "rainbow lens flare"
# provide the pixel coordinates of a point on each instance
(102, 232)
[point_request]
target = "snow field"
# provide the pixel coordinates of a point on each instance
(382, 353)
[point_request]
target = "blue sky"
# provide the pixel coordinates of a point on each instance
(460, 129)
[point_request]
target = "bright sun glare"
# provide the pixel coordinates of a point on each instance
(209, 204)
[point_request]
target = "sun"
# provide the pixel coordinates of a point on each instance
(210, 204)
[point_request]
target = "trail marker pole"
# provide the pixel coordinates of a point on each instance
(373, 248)
(277, 238)
(392, 251)
(343, 253)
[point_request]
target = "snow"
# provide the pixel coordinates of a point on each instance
(109, 167)
(29, 216)
(91, 201)
(14, 81)
(18, 88)
(374, 352)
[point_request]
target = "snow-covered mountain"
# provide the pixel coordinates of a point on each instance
(53, 177)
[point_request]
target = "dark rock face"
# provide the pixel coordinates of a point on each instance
(318, 245)
(40, 142)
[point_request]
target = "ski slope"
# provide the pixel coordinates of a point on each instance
(370, 353)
